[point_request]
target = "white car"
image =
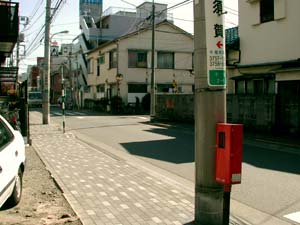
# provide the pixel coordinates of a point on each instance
(12, 164)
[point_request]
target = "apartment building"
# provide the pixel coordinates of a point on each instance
(123, 66)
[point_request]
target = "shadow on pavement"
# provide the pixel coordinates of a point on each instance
(271, 159)
(179, 148)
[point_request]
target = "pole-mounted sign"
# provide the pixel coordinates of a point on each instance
(215, 37)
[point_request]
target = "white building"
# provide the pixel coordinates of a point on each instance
(130, 56)
(265, 70)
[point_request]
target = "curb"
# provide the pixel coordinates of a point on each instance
(273, 145)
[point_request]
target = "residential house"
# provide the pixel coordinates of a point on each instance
(129, 57)
(264, 72)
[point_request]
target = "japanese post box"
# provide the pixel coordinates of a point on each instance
(229, 145)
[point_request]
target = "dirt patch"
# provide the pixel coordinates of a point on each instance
(42, 201)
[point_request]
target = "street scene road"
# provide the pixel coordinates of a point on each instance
(270, 179)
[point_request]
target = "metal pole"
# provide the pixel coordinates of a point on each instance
(63, 98)
(209, 110)
(152, 101)
(77, 83)
(46, 75)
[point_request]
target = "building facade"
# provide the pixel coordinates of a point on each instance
(264, 73)
(123, 66)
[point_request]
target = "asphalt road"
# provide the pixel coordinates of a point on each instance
(270, 179)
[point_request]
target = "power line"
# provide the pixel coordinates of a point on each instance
(178, 5)
(31, 25)
(35, 10)
(128, 3)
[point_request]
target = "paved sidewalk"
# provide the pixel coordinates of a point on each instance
(106, 189)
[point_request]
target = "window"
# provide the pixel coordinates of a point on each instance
(90, 65)
(98, 67)
(164, 88)
(266, 11)
(5, 135)
(249, 87)
(113, 59)
(255, 86)
(101, 88)
(137, 59)
(101, 59)
(87, 89)
(165, 60)
(137, 88)
(258, 87)
(240, 87)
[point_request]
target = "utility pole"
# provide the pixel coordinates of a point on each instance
(63, 98)
(152, 94)
(210, 108)
(46, 74)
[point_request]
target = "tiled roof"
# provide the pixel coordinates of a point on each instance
(232, 38)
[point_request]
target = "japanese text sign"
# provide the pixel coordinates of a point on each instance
(215, 39)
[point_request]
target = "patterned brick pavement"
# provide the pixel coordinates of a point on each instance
(106, 190)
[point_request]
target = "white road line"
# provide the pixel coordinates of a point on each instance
(80, 117)
(294, 217)
(71, 114)
(143, 118)
(79, 113)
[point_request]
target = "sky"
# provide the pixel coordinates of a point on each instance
(68, 19)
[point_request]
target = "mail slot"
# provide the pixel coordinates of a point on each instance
(229, 146)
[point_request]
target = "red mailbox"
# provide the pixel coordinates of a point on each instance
(229, 153)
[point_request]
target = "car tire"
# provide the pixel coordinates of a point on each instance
(15, 197)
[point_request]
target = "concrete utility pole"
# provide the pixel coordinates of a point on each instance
(210, 98)
(152, 101)
(46, 74)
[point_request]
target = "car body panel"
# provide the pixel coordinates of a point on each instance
(12, 156)
(35, 99)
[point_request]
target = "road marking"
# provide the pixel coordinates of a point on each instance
(80, 117)
(143, 118)
(79, 113)
(293, 216)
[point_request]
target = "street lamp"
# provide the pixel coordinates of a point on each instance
(46, 75)
(61, 32)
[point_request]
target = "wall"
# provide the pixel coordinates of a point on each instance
(255, 112)
(175, 107)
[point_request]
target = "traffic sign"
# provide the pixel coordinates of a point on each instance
(215, 39)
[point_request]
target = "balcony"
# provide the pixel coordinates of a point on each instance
(9, 23)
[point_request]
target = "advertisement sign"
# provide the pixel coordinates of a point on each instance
(215, 37)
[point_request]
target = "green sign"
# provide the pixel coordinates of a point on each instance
(215, 41)
(217, 78)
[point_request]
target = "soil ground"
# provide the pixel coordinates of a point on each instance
(42, 201)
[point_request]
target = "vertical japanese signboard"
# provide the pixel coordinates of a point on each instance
(215, 39)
